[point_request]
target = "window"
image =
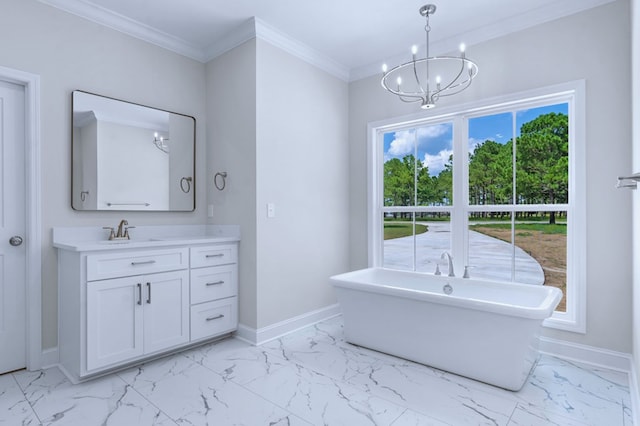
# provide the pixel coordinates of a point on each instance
(499, 185)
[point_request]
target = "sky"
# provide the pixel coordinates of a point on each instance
(434, 142)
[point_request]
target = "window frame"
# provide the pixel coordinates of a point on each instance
(573, 93)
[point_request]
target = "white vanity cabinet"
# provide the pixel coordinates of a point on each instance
(120, 304)
(133, 316)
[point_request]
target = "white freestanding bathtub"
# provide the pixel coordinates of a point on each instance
(484, 330)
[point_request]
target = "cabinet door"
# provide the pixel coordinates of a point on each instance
(166, 310)
(114, 321)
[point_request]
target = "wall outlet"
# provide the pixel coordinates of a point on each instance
(271, 210)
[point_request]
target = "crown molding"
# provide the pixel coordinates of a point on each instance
(242, 33)
(251, 28)
(256, 28)
(127, 26)
(300, 50)
(541, 15)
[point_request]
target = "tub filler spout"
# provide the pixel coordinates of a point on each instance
(450, 261)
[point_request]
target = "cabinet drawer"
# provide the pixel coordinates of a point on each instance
(214, 318)
(214, 255)
(213, 283)
(123, 264)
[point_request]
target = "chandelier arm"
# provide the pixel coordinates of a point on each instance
(456, 89)
(410, 101)
(450, 85)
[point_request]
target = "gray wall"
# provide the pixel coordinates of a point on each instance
(278, 126)
(72, 53)
(302, 168)
(593, 45)
(231, 132)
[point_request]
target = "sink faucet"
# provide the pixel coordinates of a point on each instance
(122, 233)
(450, 259)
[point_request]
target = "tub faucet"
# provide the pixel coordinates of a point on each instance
(450, 260)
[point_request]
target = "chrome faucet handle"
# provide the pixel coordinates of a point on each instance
(126, 232)
(466, 272)
(437, 272)
(112, 234)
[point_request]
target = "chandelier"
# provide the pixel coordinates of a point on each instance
(412, 81)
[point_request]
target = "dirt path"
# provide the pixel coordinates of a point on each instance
(549, 250)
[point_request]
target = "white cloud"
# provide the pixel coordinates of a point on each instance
(403, 142)
(433, 131)
(437, 162)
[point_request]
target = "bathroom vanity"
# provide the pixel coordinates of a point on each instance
(124, 301)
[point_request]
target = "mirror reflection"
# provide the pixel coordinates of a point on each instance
(127, 156)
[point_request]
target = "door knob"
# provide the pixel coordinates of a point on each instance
(16, 240)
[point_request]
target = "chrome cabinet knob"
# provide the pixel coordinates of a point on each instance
(15, 241)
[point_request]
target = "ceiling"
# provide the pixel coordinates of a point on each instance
(352, 36)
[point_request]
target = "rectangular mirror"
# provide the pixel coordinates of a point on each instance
(127, 156)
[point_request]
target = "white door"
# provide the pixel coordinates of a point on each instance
(12, 228)
(166, 310)
(114, 321)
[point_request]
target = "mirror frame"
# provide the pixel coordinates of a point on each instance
(191, 183)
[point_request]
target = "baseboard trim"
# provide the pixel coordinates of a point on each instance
(587, 354)
(271, 332)
(49, 358)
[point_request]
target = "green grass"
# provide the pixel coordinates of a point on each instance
(398, 230)
(545, 228)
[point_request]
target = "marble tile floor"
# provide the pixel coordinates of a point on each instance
(311, 377)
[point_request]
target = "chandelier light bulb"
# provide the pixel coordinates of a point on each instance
(438, 79)
(414, 50)
(462, 47)
(384, 68)
(399, 80)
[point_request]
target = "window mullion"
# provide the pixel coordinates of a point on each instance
(459, 218)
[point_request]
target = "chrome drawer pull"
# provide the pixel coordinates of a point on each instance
(139, 294)
(216, 283)
(146, 262)
(214, 255)
(215, 318)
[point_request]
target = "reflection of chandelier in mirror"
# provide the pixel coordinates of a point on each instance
(453, 73)
(161, 143)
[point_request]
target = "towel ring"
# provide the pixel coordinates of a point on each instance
(188, 182)
(222, 175)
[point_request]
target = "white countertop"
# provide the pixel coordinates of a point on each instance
(96, 238)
